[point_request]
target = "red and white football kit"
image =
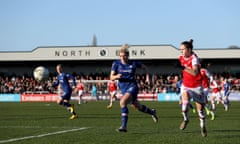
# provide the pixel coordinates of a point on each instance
(192, 84)
(206, 77)
(80, 88)
(215, 86)
(112, 88)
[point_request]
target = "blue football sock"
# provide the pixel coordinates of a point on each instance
(60, 103)
(146, 110)
(124, 117)
(191, 106)
(66, 104)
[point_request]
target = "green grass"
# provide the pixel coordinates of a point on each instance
(19, 120)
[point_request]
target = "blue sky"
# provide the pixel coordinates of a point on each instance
(27, 24)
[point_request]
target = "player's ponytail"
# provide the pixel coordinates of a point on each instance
(188, 44)
(191, 41)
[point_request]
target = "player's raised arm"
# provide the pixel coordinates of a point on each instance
(145, 68)
(73, 81)
(55, 83)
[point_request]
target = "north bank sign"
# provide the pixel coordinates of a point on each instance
(101, 52)
(141, 52)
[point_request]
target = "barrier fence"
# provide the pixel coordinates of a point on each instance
(46, 97)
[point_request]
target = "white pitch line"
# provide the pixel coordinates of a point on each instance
(33, 127)
(42, 135)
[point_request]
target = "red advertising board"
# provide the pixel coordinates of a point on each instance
(145, 96)
(39, 97)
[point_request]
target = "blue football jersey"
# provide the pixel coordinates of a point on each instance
(127, 71)
(226, 88)
(62, 79)
(178, 86)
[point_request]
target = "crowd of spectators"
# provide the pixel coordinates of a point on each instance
(160, 83)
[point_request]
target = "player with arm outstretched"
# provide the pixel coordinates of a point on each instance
(124, 71)
(62, 80)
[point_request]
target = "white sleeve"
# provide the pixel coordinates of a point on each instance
(195, 61)
(209, 75)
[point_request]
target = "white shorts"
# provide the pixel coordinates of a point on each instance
(195, 93)
(112, 93)
(218, 95)
(80, 93)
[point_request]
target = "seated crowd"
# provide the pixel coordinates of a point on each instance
(160, 83)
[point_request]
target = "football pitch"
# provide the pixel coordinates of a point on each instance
(48, 123)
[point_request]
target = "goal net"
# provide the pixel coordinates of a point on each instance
(95, 89)
(102, 91)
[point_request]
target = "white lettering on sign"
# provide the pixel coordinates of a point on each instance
(134, 53)
(72, 53)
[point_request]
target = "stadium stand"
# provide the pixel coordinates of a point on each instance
(93, 63)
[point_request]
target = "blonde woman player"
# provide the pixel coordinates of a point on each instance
(124, 71)
(192, 85)
(112, 88)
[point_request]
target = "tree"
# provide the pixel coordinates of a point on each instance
(233, 47)
(94, 41)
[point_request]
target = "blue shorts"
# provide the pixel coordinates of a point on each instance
(133, 90)
(66, 95)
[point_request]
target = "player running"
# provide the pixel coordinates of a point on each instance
(206, 80)
(62, 79)
(192, 85)
(225, 92)
(80, 89)
(112, 88)
(216, 94)
(124, 70)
